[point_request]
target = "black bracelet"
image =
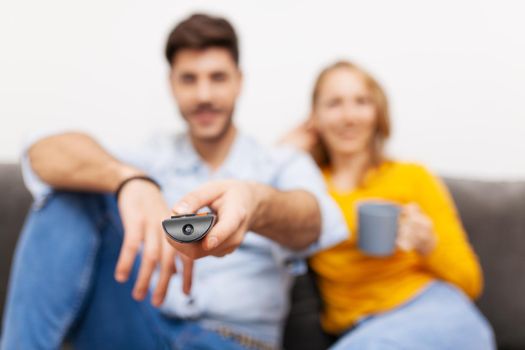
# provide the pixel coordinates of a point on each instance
(131, 178)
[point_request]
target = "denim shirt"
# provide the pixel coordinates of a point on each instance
(247, 290)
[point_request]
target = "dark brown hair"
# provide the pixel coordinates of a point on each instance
(199, 32)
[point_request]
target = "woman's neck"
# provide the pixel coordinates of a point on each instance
(347, 170)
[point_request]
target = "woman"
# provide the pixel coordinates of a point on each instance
(420, 296)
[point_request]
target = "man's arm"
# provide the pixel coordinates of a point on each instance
(75, 161)
(291, 218)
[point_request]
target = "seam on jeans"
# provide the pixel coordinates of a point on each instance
(112, 218)
(182, 339)
(104, 218)
(115, 222)
(83, 285)
(163, 336)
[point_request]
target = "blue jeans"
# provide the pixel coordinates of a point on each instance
(441, 317)
(62, 286)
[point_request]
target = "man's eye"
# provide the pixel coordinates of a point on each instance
(219, 77)
(187, 79)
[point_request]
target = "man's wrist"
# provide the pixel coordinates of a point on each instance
(262, 195)
(144, 178)
(123, 172)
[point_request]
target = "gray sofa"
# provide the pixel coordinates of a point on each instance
(493, 214)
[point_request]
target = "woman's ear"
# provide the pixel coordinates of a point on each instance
(313, 121)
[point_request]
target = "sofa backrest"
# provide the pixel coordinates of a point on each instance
(493, 214)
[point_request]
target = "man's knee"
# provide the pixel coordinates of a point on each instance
(60, 203)
(66, 219)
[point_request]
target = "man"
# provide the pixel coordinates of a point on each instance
(271, 208)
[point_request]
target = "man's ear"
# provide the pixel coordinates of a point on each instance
(171, 82)
(240, 80)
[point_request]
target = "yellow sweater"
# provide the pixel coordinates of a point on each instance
(354, 285)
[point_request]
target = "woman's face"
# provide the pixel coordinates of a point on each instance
(345, 114)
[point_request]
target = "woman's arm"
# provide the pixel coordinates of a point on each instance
(451, 258)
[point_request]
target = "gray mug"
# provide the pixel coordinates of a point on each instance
(377, 227)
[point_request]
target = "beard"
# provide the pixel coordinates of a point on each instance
(222, 123)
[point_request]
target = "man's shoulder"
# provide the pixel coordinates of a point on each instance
(272, 152)
(163, 143)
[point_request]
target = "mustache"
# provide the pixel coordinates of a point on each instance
(205, 107)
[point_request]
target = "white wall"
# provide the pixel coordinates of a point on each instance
(454, 70)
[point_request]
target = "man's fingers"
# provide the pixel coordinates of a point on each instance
(150, 258)
(223, 252)
(229, 222)
(187, 274)
(133, 234)
(167, 269)
(201, 197)
(230, 244)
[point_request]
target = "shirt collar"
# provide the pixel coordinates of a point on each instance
(188, 160)
(235, 162)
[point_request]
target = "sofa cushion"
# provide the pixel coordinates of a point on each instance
(14, 205)
(494, 217)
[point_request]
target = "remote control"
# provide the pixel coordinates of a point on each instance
(189, 227)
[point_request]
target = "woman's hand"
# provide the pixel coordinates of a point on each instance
(415, 231)
(304, 137)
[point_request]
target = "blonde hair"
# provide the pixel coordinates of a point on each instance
(379, 99)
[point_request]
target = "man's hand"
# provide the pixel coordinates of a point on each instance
(142, 209)
(75, 161)
(234, 202)
(415, 231)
